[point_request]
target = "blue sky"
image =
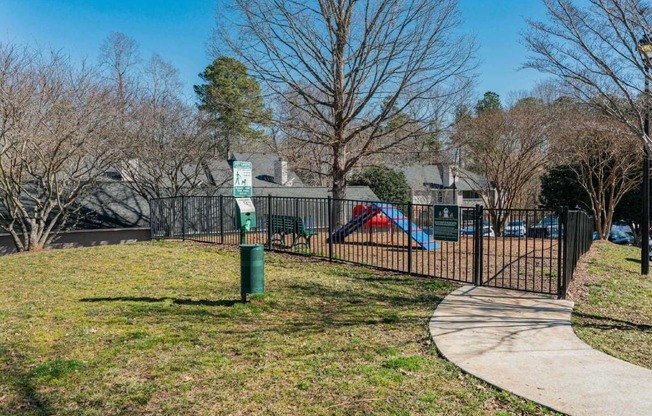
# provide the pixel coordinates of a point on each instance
(179, 31)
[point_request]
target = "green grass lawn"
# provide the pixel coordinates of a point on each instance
(156, 328)
(616, 316)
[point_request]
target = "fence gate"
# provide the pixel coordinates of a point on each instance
(527, 250)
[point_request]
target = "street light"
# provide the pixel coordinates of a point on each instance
(645, 49)
(454, 186)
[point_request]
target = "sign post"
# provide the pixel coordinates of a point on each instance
(252, 275)
(242, 179)
(242, 191)
(447, 223)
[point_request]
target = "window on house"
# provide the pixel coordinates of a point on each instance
(471, 195)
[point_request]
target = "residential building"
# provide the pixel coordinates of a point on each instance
(447, 184)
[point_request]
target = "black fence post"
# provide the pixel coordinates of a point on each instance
(565, 251)
(481, 245)
(330, 227)
(172, 224)
(269, 221)
(151, 219)
(477, 246)
(221, 219)
(562, 225)
(409, 237)
(183, 218)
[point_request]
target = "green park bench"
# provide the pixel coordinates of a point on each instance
(287, 225)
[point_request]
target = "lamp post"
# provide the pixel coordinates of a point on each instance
(645, 49)
(454, 185)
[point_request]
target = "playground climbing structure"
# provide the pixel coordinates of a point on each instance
(417, 234)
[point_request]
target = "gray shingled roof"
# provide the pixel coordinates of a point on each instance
(419, 175)
(469, 181)
(363, 193)
(110, 205)
(263, 167)
(221, 173)
(116, 205)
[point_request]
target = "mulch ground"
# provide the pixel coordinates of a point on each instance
(578, 288)
(518, 263)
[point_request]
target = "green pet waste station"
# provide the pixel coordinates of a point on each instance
(252, 269)
(252, 256)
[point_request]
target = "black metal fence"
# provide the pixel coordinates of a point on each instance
(576, 242)
(531, 250)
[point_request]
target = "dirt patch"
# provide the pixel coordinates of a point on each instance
(530, 264)
(578, 288)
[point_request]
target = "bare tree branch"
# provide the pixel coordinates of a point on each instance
(346, 69)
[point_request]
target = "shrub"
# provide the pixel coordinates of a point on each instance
(389, 185)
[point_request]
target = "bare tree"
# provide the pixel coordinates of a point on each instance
(169, 153)
(169, 143)
(593, 49)
(56, 122)
(119, 58)
(163, 141)
(603, 155)
(162, 82)
(593, 46)
(509, 150)
(352, 67)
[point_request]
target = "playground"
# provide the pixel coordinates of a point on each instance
(396, 237)
(519, 263)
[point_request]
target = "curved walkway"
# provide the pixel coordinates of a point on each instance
(524, 343)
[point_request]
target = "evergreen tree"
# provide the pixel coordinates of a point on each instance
(234, 102)
(489, 102)
(387, 184)
(559, 187)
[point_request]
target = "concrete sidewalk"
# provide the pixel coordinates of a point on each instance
(524, 343)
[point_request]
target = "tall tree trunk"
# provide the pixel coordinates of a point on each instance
(339, 190)
(18, 243)
(34, 240)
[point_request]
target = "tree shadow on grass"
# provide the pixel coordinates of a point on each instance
(373, 294)
(304, 307)
(603, 322)
(29, 400)
(146, 299)
(633, 260)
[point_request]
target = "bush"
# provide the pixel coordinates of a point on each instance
(389, 185)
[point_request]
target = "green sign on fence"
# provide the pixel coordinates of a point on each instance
(447, 223)
(242, 179)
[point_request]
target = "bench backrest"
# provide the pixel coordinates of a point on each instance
(287, 223)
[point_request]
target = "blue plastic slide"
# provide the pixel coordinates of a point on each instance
(418, 235)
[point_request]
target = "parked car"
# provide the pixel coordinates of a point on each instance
(621, 237)
(622, 226)
(515, 229)
(621, 233)
(548, 227)
(487, 230)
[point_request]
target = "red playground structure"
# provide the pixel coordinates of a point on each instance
(377, 222)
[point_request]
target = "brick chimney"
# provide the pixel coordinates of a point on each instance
(281, 172)
(450, 173)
